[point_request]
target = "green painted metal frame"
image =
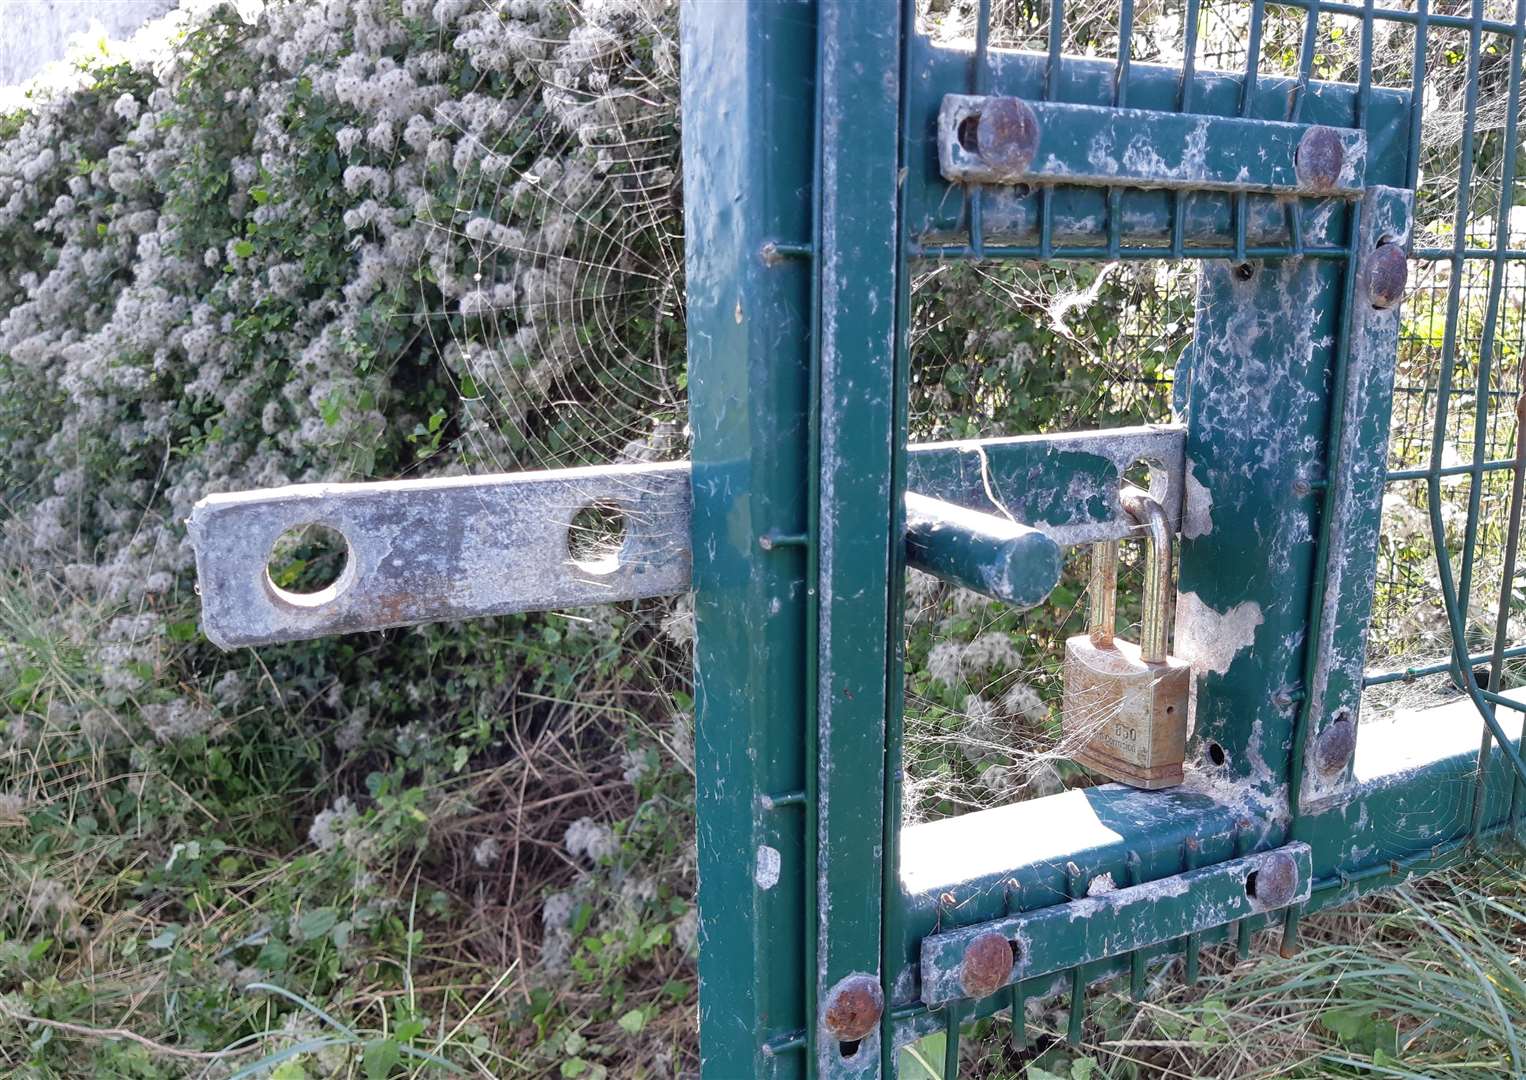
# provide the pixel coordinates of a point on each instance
(811, 183)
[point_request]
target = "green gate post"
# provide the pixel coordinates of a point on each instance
(749, 85)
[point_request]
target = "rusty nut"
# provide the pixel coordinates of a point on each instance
(1007, 135)
(987, 965)
(853, 1008)
(1318, 160)
(1334, 746)
(1274, 882)
(1387, 274)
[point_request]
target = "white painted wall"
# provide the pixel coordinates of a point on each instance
(34, 33)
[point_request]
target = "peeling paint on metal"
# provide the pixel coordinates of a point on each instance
(1210, 640)
(422, 550)
(1197, 506)
(766, 870)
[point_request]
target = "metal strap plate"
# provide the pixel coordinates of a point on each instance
(1008, 140)
(1116, 921)
(425, 550)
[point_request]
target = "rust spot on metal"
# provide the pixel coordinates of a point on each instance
(1319, 158)
(853, 1008)
(391, 608)
(1274, 883)
(1335, 745)
(1387, 274)
(1007, 135)
(987, 965)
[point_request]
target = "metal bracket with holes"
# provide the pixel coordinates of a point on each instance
(468, 546)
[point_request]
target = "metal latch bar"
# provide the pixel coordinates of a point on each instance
(459, 547)
(996, 557)
(960, 963)
(1008, 140)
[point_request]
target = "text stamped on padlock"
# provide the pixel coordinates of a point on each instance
(1126, 704)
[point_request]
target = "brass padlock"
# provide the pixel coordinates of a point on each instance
(1125, 703)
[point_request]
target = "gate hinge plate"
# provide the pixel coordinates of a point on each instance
(1006, 140)
(1063, 936)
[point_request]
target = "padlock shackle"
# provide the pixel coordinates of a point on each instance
(1155, 618)
(1102, 593)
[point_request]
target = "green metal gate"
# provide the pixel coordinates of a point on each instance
(830, 148)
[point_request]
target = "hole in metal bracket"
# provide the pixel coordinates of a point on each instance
(309, 565)
(968, 133)
(849, 1049)
(1216, 754)
(595, 536)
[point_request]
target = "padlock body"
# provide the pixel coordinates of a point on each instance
(1130, 716)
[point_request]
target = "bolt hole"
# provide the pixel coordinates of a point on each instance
(307, 564)
(1017, 952)
(1250, 883)
(1171, 709)
(595, 537)
(1245, 271)
(968, 133)
(1216, 754)
(1021, 191)
(849, 1049)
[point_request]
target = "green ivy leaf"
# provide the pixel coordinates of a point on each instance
(39, 949)
(316, 923)
(165, 939)
(380, 1059)
(632, 1022)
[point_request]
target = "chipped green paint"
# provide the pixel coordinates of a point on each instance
(1012, 213)
(749, 68)
(1353, 504)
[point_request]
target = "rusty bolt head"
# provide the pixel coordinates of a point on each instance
(1335, 745)
(853, 1008)
(987, 965)
(1387, 273)
(1007, 135)
(1319, 158)
(1272, 884)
